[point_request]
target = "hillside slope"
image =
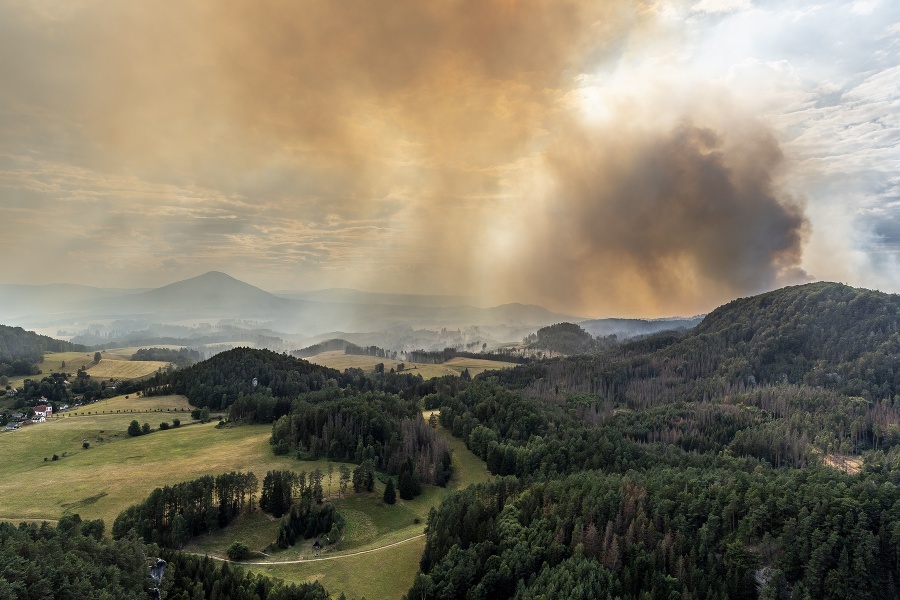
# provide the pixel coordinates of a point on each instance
(819, 333)
(20, 349)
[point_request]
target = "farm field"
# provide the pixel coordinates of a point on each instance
(340, 361)
(125, 369)
(135, 404)
(110, 366)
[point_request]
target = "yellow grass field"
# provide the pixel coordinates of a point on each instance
(340, 361)
(125, 369)
(117, 471)
(136, 404)
(110, 366)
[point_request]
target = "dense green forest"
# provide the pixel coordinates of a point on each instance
(74, 560)
(686, 464)
(21, 351)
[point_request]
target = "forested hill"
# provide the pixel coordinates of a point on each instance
(819, 333)
(701, 464)
(218, 381)
(787, 376)
(20, 349)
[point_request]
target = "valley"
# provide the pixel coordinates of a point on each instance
(684, 461)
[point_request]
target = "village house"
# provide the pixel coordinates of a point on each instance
(42, 411)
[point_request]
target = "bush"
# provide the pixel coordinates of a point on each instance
(134, 429)
(163, 426)
(238, 551)
(55, 457)
(145, 428)
(85, 445)
(176, 422)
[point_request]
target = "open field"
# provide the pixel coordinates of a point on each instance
(125, 369)
(53, 362)
(340, 361)
(134, 403)
(117, 471)
(114, 363)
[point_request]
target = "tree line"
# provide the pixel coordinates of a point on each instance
(172, 515)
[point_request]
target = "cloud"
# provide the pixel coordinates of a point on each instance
(648, 220)
(460, 146)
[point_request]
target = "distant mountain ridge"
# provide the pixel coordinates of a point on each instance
(217, 296)
(213, 291)
(627, 328)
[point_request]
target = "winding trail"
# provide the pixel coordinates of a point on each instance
(309, 560)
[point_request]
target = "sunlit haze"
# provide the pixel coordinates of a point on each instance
(613, 158)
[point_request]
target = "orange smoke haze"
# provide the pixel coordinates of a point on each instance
(394, 146)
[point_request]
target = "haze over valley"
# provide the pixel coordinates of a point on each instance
(459, 300)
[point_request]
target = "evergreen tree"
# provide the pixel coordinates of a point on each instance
(390, 495)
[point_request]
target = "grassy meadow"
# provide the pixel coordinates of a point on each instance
(114, 364)
(117, 471)
(340, 361)
(125, 369)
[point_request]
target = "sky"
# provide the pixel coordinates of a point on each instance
(615, 158)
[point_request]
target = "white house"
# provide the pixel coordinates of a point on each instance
(42, 411)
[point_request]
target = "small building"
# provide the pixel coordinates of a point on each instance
(43, 410)
(317, 547)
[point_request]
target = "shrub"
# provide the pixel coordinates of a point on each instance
(163, 426)
(85, 445)
(176, 422)
(134, 429)
(238, 551)
(55, 457)
(145, 428)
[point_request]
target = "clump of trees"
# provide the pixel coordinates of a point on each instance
(279, 488)
(181, 358)
(135, 429)
(172, 515)
(306, 520)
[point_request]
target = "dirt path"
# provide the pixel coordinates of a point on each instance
(308, 560)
